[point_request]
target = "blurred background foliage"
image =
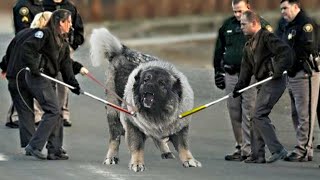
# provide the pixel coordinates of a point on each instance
(101, 10)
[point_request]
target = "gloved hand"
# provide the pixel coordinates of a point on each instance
(235, 92)
(77, 90)
(276, 75)
(219, 79)
(84, 71)
(35, 72)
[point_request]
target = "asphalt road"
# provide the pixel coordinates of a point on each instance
(210, 138)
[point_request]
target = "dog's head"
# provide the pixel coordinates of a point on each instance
(157, 90)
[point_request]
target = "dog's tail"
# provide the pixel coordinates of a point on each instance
(103, 45)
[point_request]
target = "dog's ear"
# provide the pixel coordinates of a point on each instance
(177, 87)
(137, 77)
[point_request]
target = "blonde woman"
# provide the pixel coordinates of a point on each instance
(10, 70)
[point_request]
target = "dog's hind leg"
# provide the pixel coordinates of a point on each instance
(135, 140)
(115, 132)
(164, 148)
(180, 142)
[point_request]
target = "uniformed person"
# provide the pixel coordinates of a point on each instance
(76, 38)
(11, 69)
(227, 59)
(24, 12)
(303, 81)
(264, 55)
(47, 51)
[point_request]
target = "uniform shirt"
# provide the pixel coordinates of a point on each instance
(300, 34)
(54, 57)
(76, 37)
(264, 55)
(24, 12)
(230, 42)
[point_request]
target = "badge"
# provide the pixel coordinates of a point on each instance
(269, 28)
(25, 19)
(308, 28)
(229, 31)
(24, 11)
(38, 34)
(289, 36)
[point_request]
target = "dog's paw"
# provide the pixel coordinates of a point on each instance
(168, 155)
(192, 163)
(111, 160)
(137, 167)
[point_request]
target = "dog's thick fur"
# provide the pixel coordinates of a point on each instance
(159, 92)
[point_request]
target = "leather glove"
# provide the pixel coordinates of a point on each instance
(77, 90)
(235, 92)
(35, 72)
(84, 71)
(219, 79)
(276, 76)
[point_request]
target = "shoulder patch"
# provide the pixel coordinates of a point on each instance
(38, 34)
(269, 28)
(23, 11)
(308, 28)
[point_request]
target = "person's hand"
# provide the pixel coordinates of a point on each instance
(77, 90)
(219, 79)
(35, 72)
(276, 76)
(84, 71)
(3, 75)
(236, 93)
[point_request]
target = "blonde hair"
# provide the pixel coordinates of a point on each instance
(41, 19)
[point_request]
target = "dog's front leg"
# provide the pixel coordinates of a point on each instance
(135, 140)
(180, 142)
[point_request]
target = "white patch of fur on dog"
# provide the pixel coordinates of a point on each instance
(173, 124)
(101, 41)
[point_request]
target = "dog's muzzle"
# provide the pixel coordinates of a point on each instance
(148, 99)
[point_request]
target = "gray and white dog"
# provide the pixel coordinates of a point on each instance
(156, 89)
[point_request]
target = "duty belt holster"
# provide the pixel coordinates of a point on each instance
(231, 69)
(311, 64)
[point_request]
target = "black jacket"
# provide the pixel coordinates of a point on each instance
(301, 35)
(41, 51)
(76, 37)
(12, 63)
(264, 55)
(24, 12)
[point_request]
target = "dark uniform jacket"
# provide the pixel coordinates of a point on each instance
(24, 12)
(11, 60)
(230, 42)
(76, 37)
(41, 51)
(301, 35)
(264, 55)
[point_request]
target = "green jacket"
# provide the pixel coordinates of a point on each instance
(230, 43)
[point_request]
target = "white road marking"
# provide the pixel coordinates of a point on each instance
(3, 157)
(103, 172)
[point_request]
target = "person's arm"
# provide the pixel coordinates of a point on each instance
(22, 17)
(31, 50)
(283, 54)
(219, 51)
(77, 35)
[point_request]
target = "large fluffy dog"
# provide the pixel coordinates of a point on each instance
(156, 89)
